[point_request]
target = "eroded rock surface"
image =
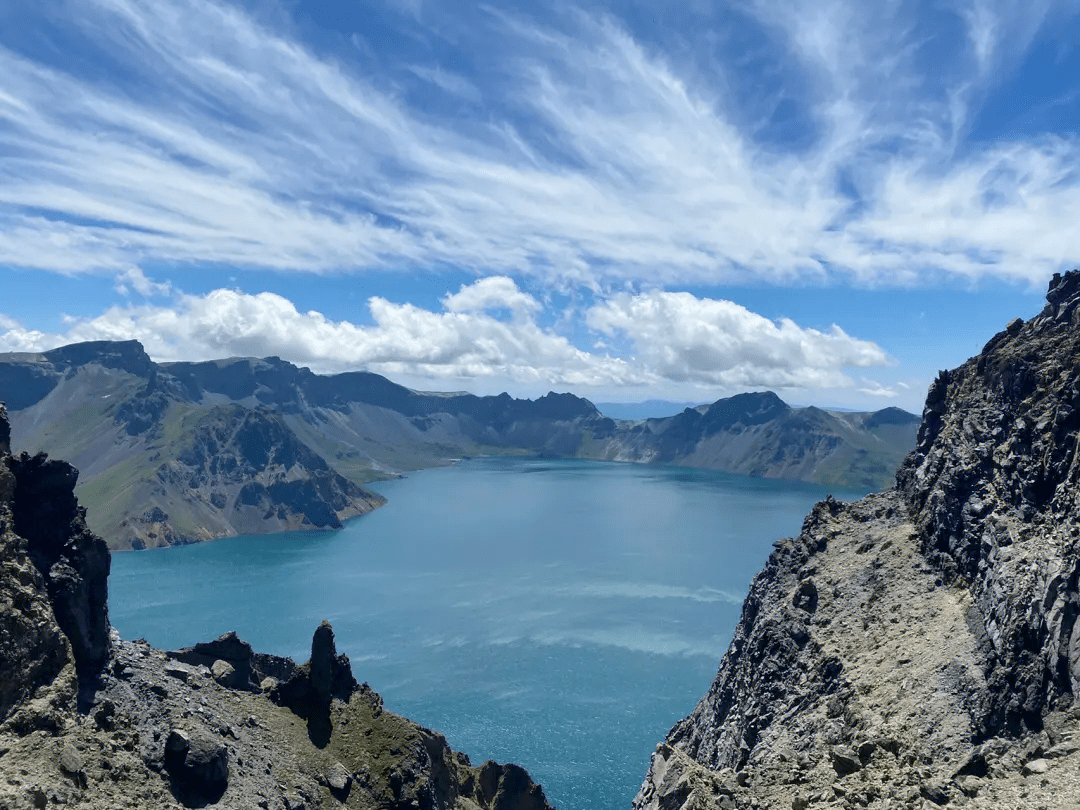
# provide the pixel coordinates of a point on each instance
(918, 648)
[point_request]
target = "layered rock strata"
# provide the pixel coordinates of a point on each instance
(918, 648)
(88, 720)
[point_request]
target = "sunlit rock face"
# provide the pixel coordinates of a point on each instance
(920, 645)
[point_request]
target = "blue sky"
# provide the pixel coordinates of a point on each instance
(631, 201)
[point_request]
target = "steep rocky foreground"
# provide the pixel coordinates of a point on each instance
(918, 648)
(88, 720)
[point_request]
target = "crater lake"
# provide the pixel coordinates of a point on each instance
(562, 615)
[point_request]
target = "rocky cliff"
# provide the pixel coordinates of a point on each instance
(234, 471)
(918, 648)
(88, 720)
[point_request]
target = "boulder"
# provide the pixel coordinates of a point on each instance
(198, 766)
(225, 674)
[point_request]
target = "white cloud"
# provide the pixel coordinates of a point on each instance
(135, 279)
(872, 388)
(627, 169)
(451, 83)
(679, 339)
(464, 344)
(17, 338)
(684, 338)
(982, 31)
(494, 292)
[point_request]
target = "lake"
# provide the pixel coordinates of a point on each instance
(558, 614)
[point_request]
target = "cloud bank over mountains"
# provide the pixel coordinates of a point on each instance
(488, 329)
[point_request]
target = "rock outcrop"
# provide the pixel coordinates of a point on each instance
(72, 560)
(918, 648)
(88, 720)
(53, 585)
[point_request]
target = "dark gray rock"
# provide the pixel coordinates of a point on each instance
(227, 650)
(337, 778)
(225, 673)
(845, 761)
(71, 762)
(73, 561)
(311, 688)
(993, 487)
(198, 765)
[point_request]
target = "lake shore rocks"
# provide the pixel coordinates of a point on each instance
(918, 648)
(88, 720)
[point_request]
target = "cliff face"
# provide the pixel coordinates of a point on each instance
(993, 489)
(88, 720)
(239, 471)
(160, 468)
(53, 593)
(919, 646)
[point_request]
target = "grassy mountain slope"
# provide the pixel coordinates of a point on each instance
(159, 468)
(760, 435)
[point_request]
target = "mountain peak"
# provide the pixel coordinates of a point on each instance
(751, 408)
(125, 355)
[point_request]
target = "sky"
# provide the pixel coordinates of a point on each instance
(831, 199)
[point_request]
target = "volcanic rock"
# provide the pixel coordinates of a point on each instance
(944, 630)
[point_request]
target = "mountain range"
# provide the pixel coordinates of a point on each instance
(179, 452)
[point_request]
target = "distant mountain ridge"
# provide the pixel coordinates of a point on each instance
(186, 451)
(759, 434)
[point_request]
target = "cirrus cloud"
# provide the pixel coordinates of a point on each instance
(599, 159)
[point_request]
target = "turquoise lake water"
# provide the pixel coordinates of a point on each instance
(559, 614)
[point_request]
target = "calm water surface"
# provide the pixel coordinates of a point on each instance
(562, 615)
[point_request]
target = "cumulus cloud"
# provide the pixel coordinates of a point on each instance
(601, 161)
(462, 342)
(684, 338)
(494, 292)
(711, 344)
